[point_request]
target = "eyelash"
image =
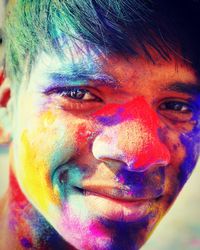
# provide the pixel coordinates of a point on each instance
(176, 106)
(76, 93)
(178, 110)
(79, 98)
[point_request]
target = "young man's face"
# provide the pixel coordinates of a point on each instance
(103, 144)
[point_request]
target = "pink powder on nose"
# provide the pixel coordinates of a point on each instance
(153, 150)
(137, 131)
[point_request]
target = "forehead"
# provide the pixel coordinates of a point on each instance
(139, 69)
(74, 59)
(84, 62)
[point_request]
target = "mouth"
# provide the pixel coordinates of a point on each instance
(105, 202)
(105, 198)
(113, 193)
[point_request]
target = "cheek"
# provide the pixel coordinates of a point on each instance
(171, 139)
(42, 145)
(184, 150)
(191, 142)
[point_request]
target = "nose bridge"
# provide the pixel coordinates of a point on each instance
(130, 135)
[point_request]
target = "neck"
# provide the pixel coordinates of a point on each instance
(21, 226)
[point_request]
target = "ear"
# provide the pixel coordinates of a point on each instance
(5, 121)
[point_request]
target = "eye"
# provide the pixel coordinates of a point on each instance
(179, 111)
(75, 99)
(78, 94)
(176, 106)
(75, 93)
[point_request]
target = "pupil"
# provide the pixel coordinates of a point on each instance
(174, 106)
(177, 107)
(78, 94)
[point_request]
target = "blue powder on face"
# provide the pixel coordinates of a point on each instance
(126, 235)
(26, 243)
(112, 120)
(191, 141)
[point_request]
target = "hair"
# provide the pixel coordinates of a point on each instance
(118, 26)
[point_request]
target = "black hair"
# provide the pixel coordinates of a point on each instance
(120, 26)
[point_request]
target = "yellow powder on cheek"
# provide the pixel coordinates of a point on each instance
(34, 153)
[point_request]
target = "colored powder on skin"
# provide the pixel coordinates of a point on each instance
(143, 184)
(46, 236)
(126, 232)
(190, 159)
(2, 77)
(20, 214)
(113, 117)
(138, 123)
(18, 196)
(77, 202)
(83, 136)
(59, 152)
(5, 92)
(191, 141)
(97, 230)
(26, 243)
(64, 179)
(5, 98)
(31, 173)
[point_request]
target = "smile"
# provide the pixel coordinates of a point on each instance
(113, 193)
(104, 198)
(114, 205)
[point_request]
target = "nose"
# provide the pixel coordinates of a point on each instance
(129, 135)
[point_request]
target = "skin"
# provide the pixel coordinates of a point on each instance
(101, 165)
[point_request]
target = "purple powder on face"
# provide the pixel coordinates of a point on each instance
(26, 243)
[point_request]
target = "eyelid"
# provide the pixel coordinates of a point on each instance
(187, 101)
(191, 103)
(187, 109)
(60, 89)
(178, 115)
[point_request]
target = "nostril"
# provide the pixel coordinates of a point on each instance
(154, 154)
(131, 167)
(133, 141)
(111, 161)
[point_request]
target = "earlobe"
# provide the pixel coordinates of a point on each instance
(5, 126)
(5, 116)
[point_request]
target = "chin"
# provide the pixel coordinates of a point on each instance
(99, 232)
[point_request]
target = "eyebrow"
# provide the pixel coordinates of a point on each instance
(98, 79)
(187, 88)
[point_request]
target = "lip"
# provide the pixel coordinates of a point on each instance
(103, 203)
(105, 198)
(146, 188)
(107, 192)
(114, 193)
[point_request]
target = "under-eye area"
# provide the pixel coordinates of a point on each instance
(178, 110)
